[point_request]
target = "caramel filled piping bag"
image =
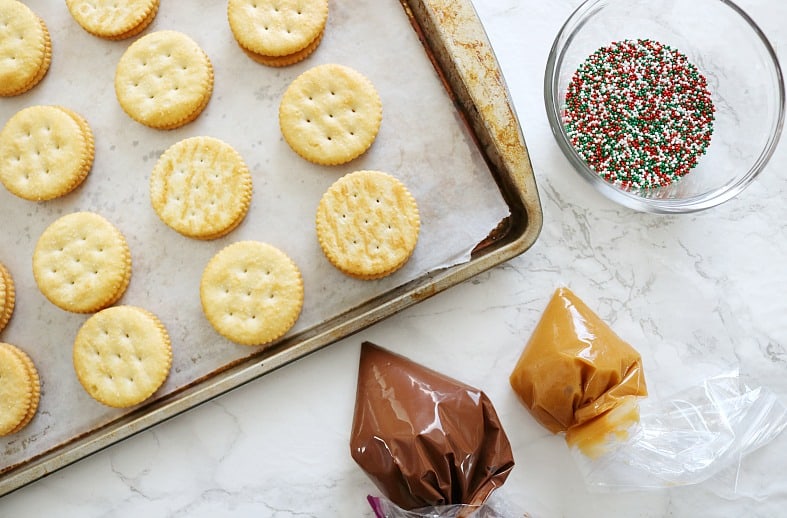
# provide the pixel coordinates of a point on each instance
(423, 438)
(574, 368)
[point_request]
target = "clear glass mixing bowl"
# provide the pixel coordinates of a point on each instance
(744, 78)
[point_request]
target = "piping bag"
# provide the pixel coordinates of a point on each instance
(578, 378)
(431, 444)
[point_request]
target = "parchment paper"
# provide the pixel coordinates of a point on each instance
(422, 141)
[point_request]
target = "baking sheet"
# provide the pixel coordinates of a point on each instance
(423, 141)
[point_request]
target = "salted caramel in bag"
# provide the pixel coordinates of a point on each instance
(577, 376)
(423, 438)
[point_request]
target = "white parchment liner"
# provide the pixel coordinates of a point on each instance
(422, 141)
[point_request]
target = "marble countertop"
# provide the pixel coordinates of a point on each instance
(696, 294)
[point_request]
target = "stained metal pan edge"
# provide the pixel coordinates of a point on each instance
(456, 42)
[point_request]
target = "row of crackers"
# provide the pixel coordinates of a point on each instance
(367, 222)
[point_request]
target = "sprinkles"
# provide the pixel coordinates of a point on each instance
(639, 114)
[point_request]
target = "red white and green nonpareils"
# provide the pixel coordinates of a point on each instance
(639, 114)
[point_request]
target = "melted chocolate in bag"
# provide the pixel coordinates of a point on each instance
(423, 438)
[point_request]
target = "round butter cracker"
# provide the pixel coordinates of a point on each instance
(25, 48)
(20, 389)
(330, 114)
(164, 80)
(251, 293)
(122, 355)
(113, 19)
(201, 187)
(7, 296)
(278, 32)
(45, 152)
(290, 59)
(368, 224)
(82, 263)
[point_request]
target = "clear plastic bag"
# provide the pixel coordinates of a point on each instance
(384, 508)
(699, 434)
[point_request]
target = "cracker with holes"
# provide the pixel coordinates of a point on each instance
(113, 19)
(278, 32)
(164, 80)
(20, 389)
(45, 152)
(82, 263)
(251, 293)
(25, 48)
(122, 355)
(201, 187)
(330, 114)
(7, 296)
(368, 224)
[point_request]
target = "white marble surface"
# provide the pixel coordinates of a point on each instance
(696, 294)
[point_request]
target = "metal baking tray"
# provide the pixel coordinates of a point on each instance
(454, 41)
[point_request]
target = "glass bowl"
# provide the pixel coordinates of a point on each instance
(743, 76)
